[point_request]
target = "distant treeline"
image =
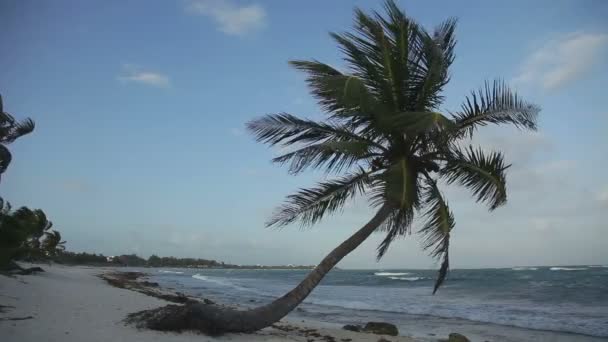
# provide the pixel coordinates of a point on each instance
(83, 258)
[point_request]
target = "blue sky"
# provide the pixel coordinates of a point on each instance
(140, 108)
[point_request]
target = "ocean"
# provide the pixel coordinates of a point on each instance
(569, 299)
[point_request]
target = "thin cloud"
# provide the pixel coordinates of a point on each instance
(230, 18)
(237, 132)
(134, 74)
(562, 60)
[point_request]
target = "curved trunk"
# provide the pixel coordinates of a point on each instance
(212, 318)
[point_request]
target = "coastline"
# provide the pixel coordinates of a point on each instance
(75, 303)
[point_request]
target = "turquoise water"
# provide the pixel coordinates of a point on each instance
(570, 299)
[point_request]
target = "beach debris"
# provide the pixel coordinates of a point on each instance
(132, 281)
(5, 308)
(14, 268)
(456, 337)
(381, 328)
(149, 283)
(16, 318)
(328, 338)
(352, 327)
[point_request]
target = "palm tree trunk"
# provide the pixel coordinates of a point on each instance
(216, 319)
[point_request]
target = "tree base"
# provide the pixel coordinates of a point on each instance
(13, 268)
(173, 318)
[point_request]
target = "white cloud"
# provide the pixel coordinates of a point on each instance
(231, 19)
(602, 195)
(562, 60)
(135, 74)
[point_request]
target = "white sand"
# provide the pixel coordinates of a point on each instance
(71, 304)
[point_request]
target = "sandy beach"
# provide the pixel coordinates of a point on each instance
(72, 304)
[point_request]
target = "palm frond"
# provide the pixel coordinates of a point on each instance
(343, 95)
(333, 156)
(398, 224)
(5, 158)
(436, 228)
(495, 104)
(398, 30)
(428, 73)
(398, 186)
(5, 207)
(310, 205)
(286, 129)
(365, 58)
(11, 129)
(444, 36)
(482, 173)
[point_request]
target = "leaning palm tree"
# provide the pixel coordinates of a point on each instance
(387, 140)
(10, 130)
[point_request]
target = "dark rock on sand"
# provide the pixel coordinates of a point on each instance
(351, 327)
(381, 328)
(455, 337)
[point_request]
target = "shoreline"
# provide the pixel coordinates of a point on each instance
(78, 303)
(73, 304)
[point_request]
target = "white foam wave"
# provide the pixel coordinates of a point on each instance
(220, 281)
(524, 268)
(174, 272)
(598, 266)
(210, 279)
(567, 268)
(407, 278)
(386, 274)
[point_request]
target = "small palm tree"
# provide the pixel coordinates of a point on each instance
(385, 137)
(10, 130)
(52, 244)
(33, 225)
(21, 233)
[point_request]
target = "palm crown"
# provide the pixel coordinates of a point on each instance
(52, 243)
(385, 135)
(10, 130)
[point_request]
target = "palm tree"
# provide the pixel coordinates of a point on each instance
(10, 130)
(21, 233)
(387, 140)
(52, 244)
(35, 223)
